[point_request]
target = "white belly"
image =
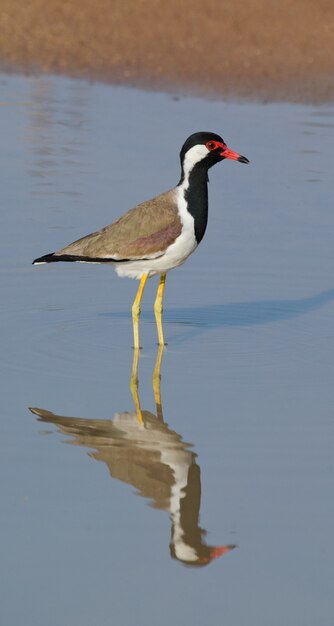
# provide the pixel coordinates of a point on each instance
(175, 255)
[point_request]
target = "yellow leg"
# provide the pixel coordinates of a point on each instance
(158, 309)
(156, 378)
(134, 385)
(136, 310)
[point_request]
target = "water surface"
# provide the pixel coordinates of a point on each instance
(235, 448)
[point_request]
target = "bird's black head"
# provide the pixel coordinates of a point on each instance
(208, 149)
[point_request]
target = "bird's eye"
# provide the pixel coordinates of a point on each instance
(211, 145)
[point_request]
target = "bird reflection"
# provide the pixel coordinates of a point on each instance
(140, 449)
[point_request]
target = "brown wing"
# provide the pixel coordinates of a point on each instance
(144, 231)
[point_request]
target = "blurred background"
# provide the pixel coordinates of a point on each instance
(268, 49)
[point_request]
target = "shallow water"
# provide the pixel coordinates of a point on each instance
(244, 433)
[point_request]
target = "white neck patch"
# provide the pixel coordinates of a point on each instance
(193, 156)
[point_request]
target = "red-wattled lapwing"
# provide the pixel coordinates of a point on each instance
(159, 234)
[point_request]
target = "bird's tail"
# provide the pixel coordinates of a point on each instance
(47, 258)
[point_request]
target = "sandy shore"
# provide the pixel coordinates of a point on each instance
(260, 49)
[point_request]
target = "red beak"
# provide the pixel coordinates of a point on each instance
(227, 153)
(216, 552)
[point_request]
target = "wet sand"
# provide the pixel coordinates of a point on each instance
(259, 49)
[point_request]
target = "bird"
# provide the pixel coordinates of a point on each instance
(158, 234)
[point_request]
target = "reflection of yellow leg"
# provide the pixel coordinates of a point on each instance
(136, 310)
(134, 385)
(156, 378)
(158, 309)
